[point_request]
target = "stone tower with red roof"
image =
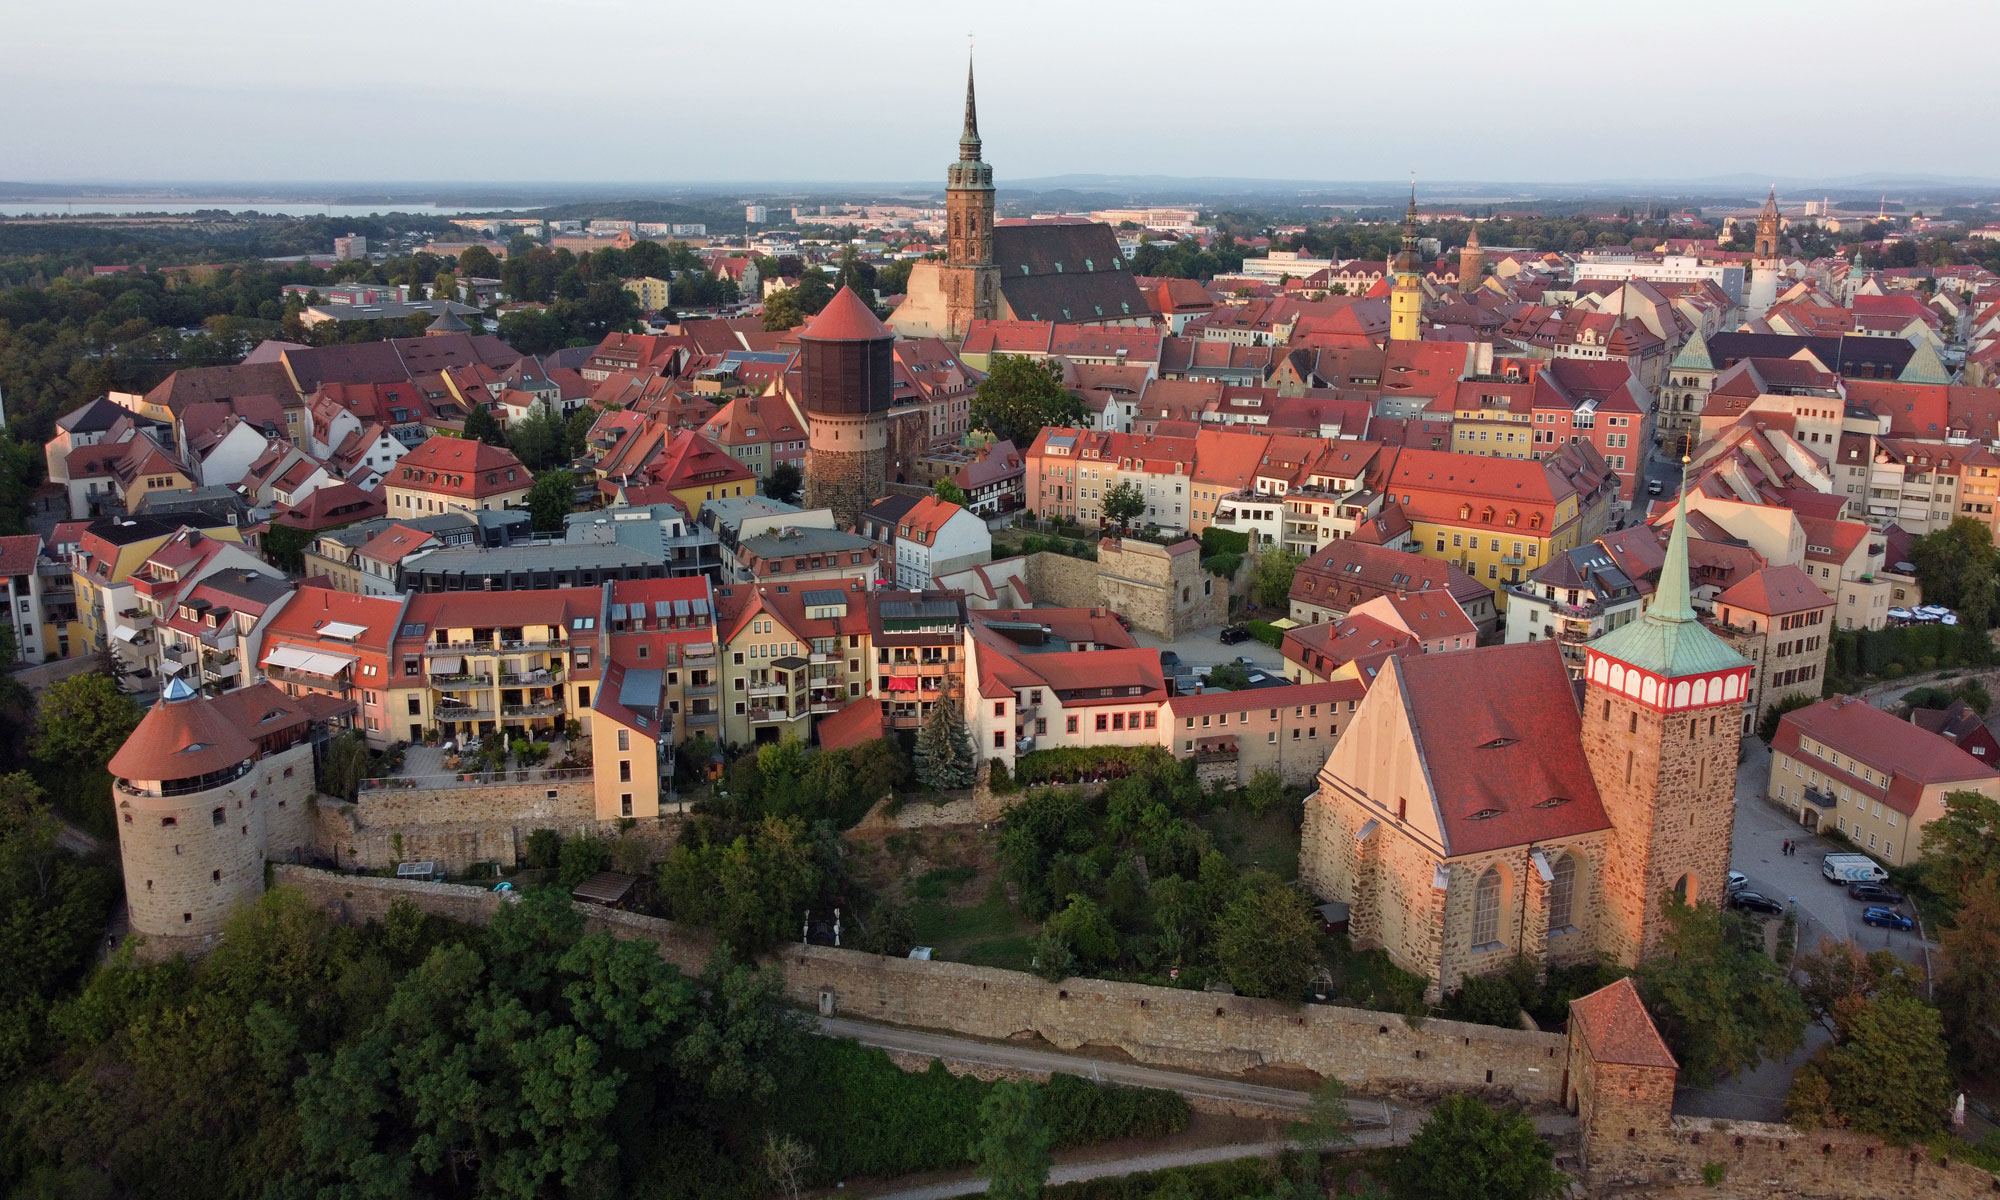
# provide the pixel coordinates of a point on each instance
(1662, 719)
(1471, 263)
(1766, 246)
(971, 282)
(849, 382)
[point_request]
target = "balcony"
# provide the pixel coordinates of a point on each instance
(183, 656)
(1512, 560)
(217, 670)
(769, 690)
(700, 689)
(540, 708)
(495, 646)
(543, 678)
(1820, 799)
(766, 716)
(705, 716)
(456, 712)
(461, 680)
(337, 685)
(825, 656)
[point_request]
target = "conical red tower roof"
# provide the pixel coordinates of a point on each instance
(846, 318)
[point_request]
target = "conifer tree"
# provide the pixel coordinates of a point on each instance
(944, 748)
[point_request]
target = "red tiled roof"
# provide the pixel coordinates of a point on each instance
(1911, 756)
(459, 467)
(1776, 591)
(1616, 1028)
(1501, 741)
(856, 724)
(846, 318)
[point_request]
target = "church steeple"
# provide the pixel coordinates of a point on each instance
(968, 141)
(1406, 288)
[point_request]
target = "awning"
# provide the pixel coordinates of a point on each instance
(345, 630)
(902, 683)
(448, 665)
(124, 634)
(312, 662)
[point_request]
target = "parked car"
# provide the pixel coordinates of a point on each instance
(1879, 893)
(1233, 634)
(1737, 882)
(1170, 662)
(1887, 918)
(1653, 487)
(1756, 902)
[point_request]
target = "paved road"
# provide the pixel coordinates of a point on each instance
(1406, 1124)
(973, 1052)
(1203, 649)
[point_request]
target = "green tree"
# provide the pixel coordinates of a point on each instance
(1013, 1146)
(477, 262)
(1124, 502)
(857, 273)
(83, 721)
(1229, 676)
(444, 286)
(1956, 566)
(781, 311)
(1887, 1074)
(812, 293)
(1961, 847)
(1968, 979)
(943, 760)
(539, 439)
(1265, 791)
(1767, 727)
(1019, 396)
(751, 889)
(1721, 1004)
(1467, 1150)
(1271, 579)
(1265, 940)
(551, 499)
(1839, 978)
(949, 492)
(482, 426)
(785, 482)
(1084, 929)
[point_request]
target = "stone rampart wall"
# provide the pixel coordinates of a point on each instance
(1776, 1162)
(1378, 1053)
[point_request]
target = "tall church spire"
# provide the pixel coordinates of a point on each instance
(968, 141)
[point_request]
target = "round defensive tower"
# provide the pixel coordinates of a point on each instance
(850, 379)
(205, 789)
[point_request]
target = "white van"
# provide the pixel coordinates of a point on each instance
(1851, 868)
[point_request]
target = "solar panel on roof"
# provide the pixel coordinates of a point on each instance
(824, 596)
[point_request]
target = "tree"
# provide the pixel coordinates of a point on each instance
(1082, 927)
(1265, 791)
(1229, 676)
(1021, 395)
(444, 286)
(1839, 978)
(1962, 847)
(1956, 566)
(812, 293)
(1887, 1074)
(481, 426)
(1467, 1150)
(83, 721)
(551, 499)
(785, 482)
(1271, 578)
(1968, 979)
(1721, 1004)
(478, 262)
(857, 273)
(949, 492)
(781, 311)
(1265, 941)
(1767, 727)
(1124, 502)
(943, 760)
(1013, 1146)
(540, 439)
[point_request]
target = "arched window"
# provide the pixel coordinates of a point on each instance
(1562, 894)
(1685, 890)
(1486, 909)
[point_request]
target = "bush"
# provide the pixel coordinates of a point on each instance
(543, 849)
(1486, 1000)
(1222, 565)
(1210, 1181)
(581, 858)
(1081, 1113)
(1074, 764)
(1000, 779)
(1267, 633)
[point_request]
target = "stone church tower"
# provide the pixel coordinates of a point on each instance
(1471, 263)
(1406, 287)
(1662, 717)
(970, 280)
(1766, 247)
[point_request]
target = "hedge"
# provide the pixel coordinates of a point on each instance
(1077, 764)
(866, 1116)
(1901, 650)
(1035, 544)
(1267, 633)
(1216, 541)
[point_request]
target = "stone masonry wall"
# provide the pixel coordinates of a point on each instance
(1376, 1052)
(1776, 1162)
(454, 827)
(1059, 581)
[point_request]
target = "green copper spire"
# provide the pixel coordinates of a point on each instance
(1668, 640)
(1671, 602)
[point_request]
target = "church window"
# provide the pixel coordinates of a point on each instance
(1562, 894)
(1486, 909)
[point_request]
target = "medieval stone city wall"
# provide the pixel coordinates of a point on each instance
(1379, 1053)
(458, 827)
(1758, 1161)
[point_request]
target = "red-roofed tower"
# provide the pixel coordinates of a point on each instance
(850, 376)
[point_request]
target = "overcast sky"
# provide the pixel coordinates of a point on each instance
(673, 91)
